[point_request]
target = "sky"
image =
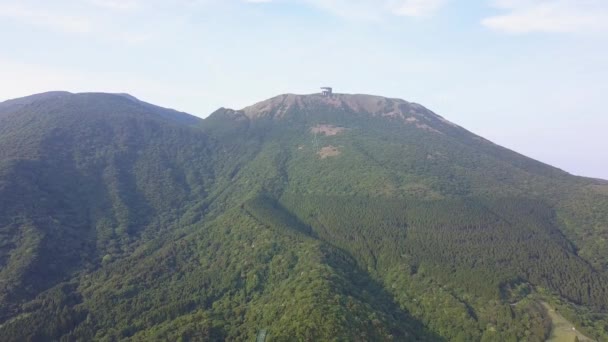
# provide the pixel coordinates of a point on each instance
(530, 75)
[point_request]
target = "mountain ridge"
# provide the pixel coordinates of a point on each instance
(310, 217)
(16, 103)
(372, 104)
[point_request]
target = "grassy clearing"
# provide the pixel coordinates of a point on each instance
(562, 330)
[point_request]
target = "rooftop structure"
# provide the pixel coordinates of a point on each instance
(326, 91)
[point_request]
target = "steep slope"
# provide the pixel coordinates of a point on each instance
(397, 148)
(83, 176)
(477, 218)
(351, 217)
(111, 229)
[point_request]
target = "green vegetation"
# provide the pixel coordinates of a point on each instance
(120, 220)
(561, 329)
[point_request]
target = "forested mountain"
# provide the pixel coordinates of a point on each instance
(307, 217)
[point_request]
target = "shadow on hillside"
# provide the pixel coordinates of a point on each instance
(362, 286)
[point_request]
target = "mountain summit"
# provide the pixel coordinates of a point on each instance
(375, 106)
(306, 217)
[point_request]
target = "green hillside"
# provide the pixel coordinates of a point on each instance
(347, 218)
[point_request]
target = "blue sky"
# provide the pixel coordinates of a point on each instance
(531, 75)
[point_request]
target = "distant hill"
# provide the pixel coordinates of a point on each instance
(350, 217)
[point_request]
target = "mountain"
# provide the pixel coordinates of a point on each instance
(302, 217)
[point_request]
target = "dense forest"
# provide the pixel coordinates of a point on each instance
(349, 218)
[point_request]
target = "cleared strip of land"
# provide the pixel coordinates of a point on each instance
(562, 330)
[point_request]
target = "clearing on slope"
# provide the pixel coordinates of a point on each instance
(329, 151)
(562, 330)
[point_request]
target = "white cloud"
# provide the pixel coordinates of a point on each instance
(565, 16)
(47, 19)
(418, 8)
(371, 9)
(120, 5)
(354, 9)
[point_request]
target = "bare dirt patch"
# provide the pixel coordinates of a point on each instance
(329, 151)
(427, 128)
(275, 107)
(416, 121)
(328, 130)
(374, 105)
